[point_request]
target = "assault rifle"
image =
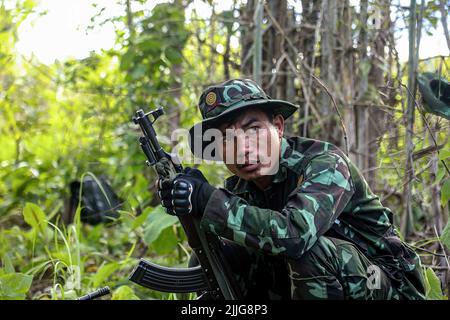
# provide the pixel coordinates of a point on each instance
(212, 278)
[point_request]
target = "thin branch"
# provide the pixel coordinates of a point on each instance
(428, 251)
(295, 69)
(336, 108)
(442, 246)
(435, 267)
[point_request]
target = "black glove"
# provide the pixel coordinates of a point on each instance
(187, 193)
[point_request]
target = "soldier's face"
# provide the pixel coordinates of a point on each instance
(251, 144)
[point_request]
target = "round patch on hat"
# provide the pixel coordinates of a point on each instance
(211, 98)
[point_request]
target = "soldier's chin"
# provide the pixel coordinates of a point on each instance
(250, 176)
(269, 169)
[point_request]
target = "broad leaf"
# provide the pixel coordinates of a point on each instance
(141, 218)
(166, 242)
(124, 293)
(445, 192)
(14, 286)
(445, 236)
(158, 220)
(35, 217)
(433, 285)
(104, 272)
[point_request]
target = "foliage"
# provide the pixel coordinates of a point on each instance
(433, 286)
(445, 236)
(60, 121)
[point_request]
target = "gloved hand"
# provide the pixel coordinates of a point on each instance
(187, 193)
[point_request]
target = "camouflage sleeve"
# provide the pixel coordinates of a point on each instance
(309, 212)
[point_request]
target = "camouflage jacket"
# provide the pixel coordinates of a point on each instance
(316, 191)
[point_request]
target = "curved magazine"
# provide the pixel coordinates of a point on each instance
(165, 279)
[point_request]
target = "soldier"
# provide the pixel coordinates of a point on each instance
(297, 218)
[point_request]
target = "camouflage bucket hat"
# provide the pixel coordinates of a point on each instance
(221, 102)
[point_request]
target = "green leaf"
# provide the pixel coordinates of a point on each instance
(173, 55)
(148, 44)
(445, 236)
(7, 263)
(127, 59)
(141, 218)
(62, 256)
(124, 293)
(433, 21)
(35, 217)
(433, 284)
(139, 71)
(445, 192)
(166, 242)
(14, 286)
(441, 172)
(444, 154)
(104, 272)
(96, 233)
(158, 220)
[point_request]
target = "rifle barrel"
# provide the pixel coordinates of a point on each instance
(96, 294)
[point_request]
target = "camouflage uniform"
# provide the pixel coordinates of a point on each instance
(317, 232)
(318, 221)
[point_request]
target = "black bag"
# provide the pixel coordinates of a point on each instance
(435, 93)
(97, 205)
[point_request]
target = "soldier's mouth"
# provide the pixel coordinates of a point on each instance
(248, 167)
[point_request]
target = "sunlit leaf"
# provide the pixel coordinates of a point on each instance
(7, 264)
(104, 272)
(141, 218)
(35, 217)
(444, 154)
(14, 286)
(433, 284)
(127, 59)
(124, 293)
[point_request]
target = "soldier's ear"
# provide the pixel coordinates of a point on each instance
(278, 122)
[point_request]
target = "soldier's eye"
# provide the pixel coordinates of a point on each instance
(253, 129)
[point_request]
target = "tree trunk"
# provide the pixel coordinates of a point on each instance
(328, 72)
(378, 120)
(246, 29)
(407, 223)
